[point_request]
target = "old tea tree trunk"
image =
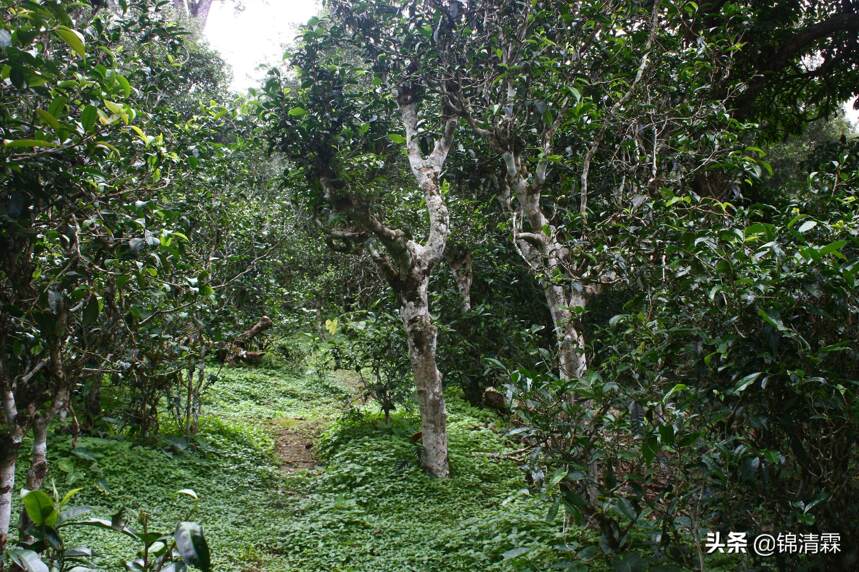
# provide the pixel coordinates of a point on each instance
(421, 331)
(408, 271)
(407, 265)
(11, 436)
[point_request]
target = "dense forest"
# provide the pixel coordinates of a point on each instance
(519, 285)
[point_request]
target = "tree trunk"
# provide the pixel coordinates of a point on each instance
(422, 335)
(572, 363)
(10, 443)
(39, 462)
(7, 487)
(201, 12)
(262, 325)
(542, 249)
(234, 351)
(407, 265)
(460, 264)
(414, 309)
(197, 11)
(93, 402)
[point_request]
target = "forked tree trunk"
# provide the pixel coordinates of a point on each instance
(407, 265)
(541, 248)
(421, 331)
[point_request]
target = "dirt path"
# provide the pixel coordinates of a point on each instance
(295, 437)
(294, 441)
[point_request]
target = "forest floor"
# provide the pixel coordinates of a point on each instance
(289, 480)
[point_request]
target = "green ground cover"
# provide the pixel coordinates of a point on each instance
(368, 506)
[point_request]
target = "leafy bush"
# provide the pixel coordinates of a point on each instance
(724, 395)
(375, 347)
(43, 547)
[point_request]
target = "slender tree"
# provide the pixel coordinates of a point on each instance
(359, 107)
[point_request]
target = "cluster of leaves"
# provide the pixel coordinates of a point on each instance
(49, 517)
(724, 395)
(375, 347)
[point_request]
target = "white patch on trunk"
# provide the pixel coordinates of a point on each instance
(7, 487)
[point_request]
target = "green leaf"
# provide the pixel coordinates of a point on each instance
(558, 476)
(649, 448)
(629, 563)
(297, 112)
(746, 381)
(48, 119)
(27, 560)
(141, 135)
(753, 231)
(626, 509)
(89, 116)
(806, 226)
(514, 552)
(118, 110)
(192, 545)
(73, 38)
(834, 248)
(40, 508)
(396, 138)
(775, 322)
(666, 435)
(69, 495)
(680, 387)
(123, 84)
(27, 143)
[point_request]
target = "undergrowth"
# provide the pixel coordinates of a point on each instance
(374, 508)
(370, 508)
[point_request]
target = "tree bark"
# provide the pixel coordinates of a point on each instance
(407, 265)
(422, 337)
(7, 487)
(262, 325)
(39, 461)
(460, 264)
(542, 249)
(195, 10)
(422, 333)
(10, 443)
(234, 351)
(572, 363)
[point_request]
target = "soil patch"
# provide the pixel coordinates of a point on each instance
(294, 441)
